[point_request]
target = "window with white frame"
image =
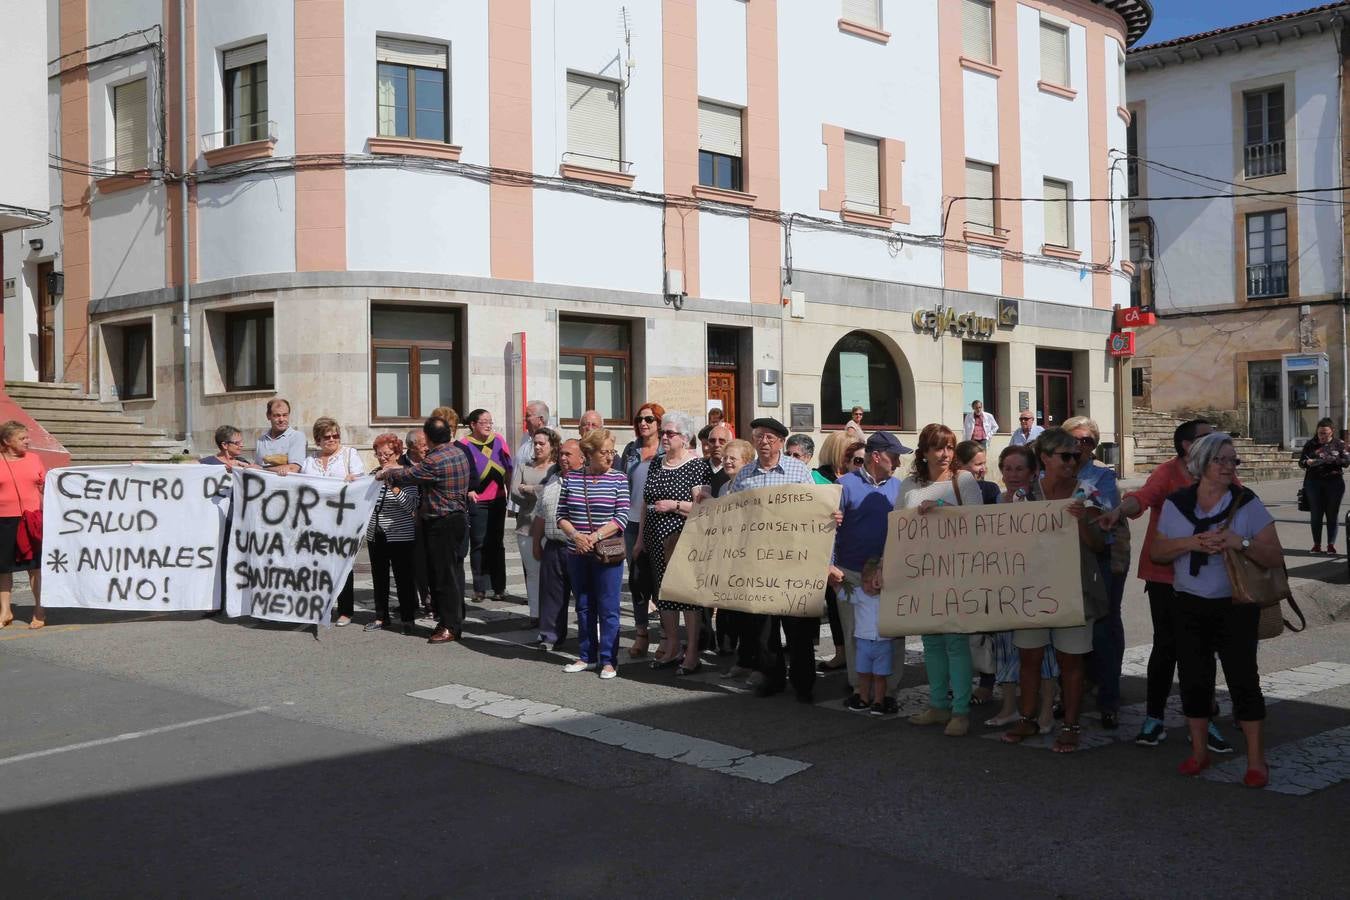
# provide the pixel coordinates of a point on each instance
(977, 30)
(130, 127)
(413, 361)
(862, 12)
(412, 89)
(1268, 254)
(862, 174)
(594, 122)
(980, 206)
(1058, 217)
(719, 146)
(246, 94)
(593, 368)
(1263, 114)
(1054, 54)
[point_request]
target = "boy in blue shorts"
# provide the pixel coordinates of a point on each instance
(872, 651)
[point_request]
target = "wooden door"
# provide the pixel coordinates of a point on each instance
(722, 387)
(1054, 396)
(1263, 396)
(46, 325)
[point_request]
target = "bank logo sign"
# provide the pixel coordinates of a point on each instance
(940, 321)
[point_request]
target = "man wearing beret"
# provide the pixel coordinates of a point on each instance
(772, 467)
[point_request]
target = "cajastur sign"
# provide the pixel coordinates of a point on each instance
(938, 322)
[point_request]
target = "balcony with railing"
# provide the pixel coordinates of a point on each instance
(1260, 160)
(1267, 280)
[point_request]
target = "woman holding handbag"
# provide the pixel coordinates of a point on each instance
(21, 480)
(1323, 462)
(592, 513)
(1198, 526)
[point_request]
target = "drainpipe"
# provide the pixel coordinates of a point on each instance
(183, 223)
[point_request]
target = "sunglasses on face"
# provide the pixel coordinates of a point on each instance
(332, 437)
(1024, 418)
(1087, 441)
(1067, 456)
(647, 420)
(667, 433)
(859, 460)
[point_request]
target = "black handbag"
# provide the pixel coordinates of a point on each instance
(1303, 501)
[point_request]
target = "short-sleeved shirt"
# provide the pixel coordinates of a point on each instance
(291, 443)
(866, 611)
(1213, 578)
(1021, 438)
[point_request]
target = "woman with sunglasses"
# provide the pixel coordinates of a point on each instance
(667, 499)
(1108, 632)
(1197, 526)
(1059, 458)
(934, 481)
(855, 456)
(634, 463)
(333, 460)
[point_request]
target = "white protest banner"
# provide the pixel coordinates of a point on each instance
(293, 543)
(966, 569)
(762, 551)
(142, 537)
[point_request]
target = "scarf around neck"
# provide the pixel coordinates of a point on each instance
(1187, 500)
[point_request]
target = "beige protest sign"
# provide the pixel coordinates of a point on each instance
(964, 569)
(761, 551)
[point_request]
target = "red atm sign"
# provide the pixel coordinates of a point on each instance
(1134, 317)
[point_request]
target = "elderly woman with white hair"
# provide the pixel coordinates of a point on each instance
(1198, 525)
(667, 500)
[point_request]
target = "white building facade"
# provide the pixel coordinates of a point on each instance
(1248, 285)
(783, 209)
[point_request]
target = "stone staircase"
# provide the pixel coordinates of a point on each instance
(93, 432)
(1153, 446)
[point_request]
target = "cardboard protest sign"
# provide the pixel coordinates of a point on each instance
(293, 543)
(965, 569)
(142, 537)
(761, 551)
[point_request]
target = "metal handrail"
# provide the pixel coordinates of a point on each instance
(1268, 280)
(1265, 158)
(252, 132)
(623, 165)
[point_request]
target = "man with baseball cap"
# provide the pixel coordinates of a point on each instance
(869, 495)
(772, 467)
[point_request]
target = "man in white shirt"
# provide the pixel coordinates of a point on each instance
(281, 448)
(590, 420)
(1027, 429)
(536, 417)
(980, 426)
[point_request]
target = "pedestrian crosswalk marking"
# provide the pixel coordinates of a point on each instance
(1299, 767)
(680, 748)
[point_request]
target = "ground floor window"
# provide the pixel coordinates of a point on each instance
(860, 372)
(136, 378)
(593, 368)
(249, 356)
(978, 373)
(412, 352)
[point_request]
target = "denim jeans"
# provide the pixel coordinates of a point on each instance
(596, 586)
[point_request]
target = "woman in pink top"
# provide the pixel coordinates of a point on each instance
(21, 479)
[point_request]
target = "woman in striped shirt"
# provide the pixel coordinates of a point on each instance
(391, 541)
(592, 506)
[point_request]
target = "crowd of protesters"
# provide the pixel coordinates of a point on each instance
(586, 513)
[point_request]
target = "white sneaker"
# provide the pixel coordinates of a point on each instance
(579, 666)
(609, 672)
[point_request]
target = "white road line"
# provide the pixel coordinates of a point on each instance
(1297, 768)
(1286, 684)
(131, 735)
(671, 745)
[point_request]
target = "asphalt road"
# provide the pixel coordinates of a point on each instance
(176, 755)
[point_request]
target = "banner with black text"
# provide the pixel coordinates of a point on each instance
(133, 538)
(293, 543)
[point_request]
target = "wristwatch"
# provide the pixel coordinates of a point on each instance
(1246, 545)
